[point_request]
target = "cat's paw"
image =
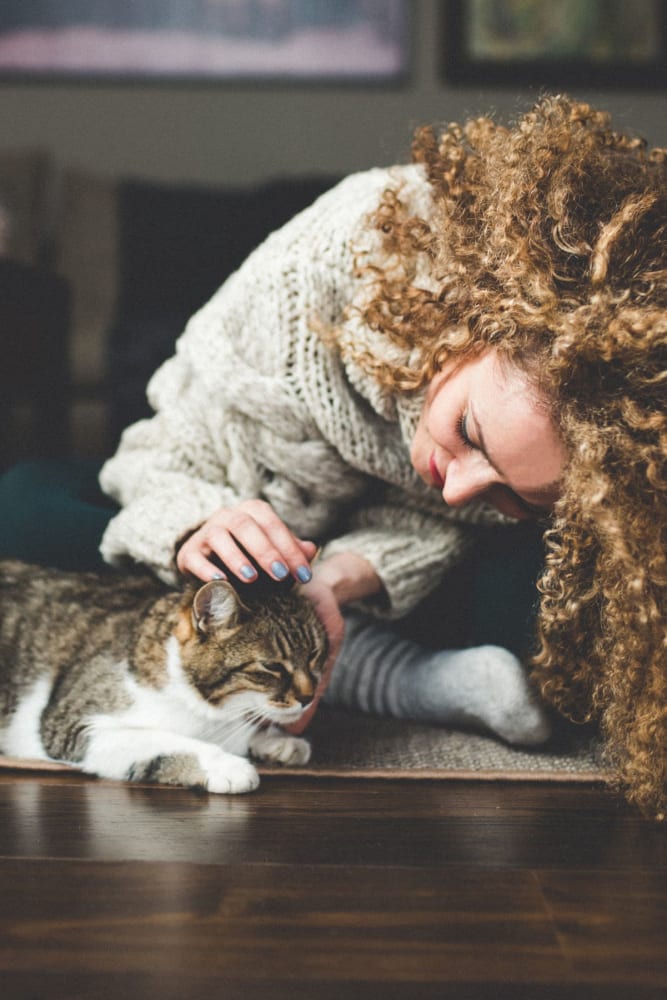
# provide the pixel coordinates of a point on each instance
(205, 769)
(276, 746)
(232, 776)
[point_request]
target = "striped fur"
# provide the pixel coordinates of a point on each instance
(130, 680)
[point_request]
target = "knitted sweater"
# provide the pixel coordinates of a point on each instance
(254, 404)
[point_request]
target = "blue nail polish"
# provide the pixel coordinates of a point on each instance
(279, 569)
(248, 572)
(304, 574)
(218, 576)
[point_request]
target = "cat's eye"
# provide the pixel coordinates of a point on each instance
(274, 667)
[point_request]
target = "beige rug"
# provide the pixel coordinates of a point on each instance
(358, 746)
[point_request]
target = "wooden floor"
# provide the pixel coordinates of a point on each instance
(328, 889)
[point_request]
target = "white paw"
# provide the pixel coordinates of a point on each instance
(230, 775)
(279, 747)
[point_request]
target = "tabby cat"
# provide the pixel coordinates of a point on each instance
(132, 681)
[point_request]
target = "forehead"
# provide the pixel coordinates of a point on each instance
(515, 425)
(498, 386)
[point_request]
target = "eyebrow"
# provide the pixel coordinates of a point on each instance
(544, 492)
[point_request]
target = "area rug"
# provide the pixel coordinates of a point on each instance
(347, 745)
(358, 746)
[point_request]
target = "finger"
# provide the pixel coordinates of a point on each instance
(191, 560)
(265, 538)
(231, 554)
(309, 549)
(294, 550)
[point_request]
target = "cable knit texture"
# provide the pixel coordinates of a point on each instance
(254, 404)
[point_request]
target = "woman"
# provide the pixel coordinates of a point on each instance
(485, 327)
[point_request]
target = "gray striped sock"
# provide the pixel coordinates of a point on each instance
(484, 687)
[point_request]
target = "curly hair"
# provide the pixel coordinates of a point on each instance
(547, 242)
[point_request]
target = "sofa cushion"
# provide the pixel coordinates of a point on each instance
(176, 245)
(26, 177)
(87, 256)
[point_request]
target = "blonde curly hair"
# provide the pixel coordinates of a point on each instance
(547, 242)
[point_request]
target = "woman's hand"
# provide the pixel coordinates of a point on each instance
(254, 525)
(328, 611)
(341, 578)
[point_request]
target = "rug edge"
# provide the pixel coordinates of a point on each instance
(385, 774)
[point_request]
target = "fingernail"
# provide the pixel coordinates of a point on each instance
(304, 574)
(218, 576)
(248, 572)
(279, 569)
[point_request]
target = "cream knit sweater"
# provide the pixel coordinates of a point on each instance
(253, 404)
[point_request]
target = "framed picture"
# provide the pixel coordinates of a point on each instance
(591, 43)
(233, 40)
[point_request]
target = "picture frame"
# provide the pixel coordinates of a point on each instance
(232, 41)
(563, 43)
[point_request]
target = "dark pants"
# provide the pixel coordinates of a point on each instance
(53, 513)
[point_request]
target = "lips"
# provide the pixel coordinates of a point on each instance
(436, 478)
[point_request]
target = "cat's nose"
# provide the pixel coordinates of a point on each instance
(303, 688)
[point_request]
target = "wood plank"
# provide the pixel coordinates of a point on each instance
(611, 923)
(398, 890)
(81, 985)
(275, 923)
(272, 926)
(320, 822)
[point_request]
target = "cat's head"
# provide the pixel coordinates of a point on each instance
(267, 654)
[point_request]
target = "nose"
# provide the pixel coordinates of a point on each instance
(303, 687)
(465, 482)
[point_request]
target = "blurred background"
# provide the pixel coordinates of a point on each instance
(147, 146)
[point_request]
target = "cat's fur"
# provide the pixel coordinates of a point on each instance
(130, 680)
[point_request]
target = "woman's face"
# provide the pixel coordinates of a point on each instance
(483, 435)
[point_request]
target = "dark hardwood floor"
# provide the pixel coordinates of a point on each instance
(329, 889)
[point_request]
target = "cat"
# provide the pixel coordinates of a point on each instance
(129, 680)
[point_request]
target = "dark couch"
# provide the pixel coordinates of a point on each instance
(96, 292)
(177, 245)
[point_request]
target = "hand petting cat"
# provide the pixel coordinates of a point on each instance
(249, 529)
(252, 533)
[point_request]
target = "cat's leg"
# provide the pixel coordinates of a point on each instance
(275, 745)
(484, 687)
(124, 753)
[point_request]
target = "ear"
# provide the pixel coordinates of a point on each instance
(216, 604)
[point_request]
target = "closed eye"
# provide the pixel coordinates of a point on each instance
(275, 668)
(462, 431)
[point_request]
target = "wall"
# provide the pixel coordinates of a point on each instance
(243, 133)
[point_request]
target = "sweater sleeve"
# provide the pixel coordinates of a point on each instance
(152, 476)
(410, 550)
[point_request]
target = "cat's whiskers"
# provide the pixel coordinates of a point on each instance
(249, 721)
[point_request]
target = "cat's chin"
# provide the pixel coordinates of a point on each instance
(285, 716)
(258, 708)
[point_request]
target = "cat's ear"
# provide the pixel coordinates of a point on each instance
(216, 604)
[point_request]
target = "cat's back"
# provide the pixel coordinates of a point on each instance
(46, 614)
(26, 587)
